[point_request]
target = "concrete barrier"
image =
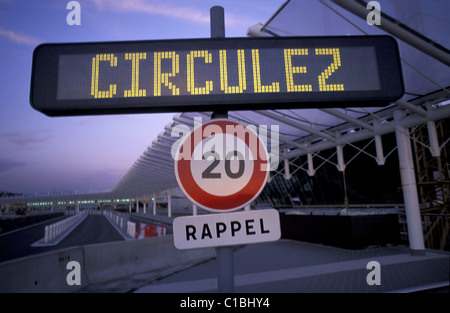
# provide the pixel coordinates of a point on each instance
(45, 272)
(99, 263)
(120, 259)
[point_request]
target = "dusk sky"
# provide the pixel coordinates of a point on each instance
(41, 154)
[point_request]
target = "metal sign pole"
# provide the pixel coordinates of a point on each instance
(225, 269)
(225, 262)
(217, 21)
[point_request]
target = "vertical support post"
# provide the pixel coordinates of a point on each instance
(311, 171)
(169, 203)
(435, 149)
(380, 159)
(217, 20)
(52, 231)
(287, 172)
(340, 158)
(154, 203)
(129, 206)
(46, 234)
(346, 203)
(137, 205)
(408, 179)
(225, 264)
(225, 269)
(145, 206)
(379, 149)
(341, 168)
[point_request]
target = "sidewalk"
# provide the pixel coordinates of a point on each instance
(288, 266)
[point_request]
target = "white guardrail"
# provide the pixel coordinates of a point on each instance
(131, 229)
(56, 231)
(118, 220)
(53, 231)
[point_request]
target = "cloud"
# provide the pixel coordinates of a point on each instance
(111, 175)
(103, 179)
(18, 37)
(7, 164)
(187, 13)
(25, 139)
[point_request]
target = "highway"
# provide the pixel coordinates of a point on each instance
(94, 229)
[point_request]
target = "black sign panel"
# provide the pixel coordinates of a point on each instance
(215, 74)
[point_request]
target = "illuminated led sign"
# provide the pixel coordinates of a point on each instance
(215, 74)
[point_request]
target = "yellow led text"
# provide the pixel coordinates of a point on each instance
(135, 91)
(323, 86)
(190, 73)
(163, 78)
(291, 70)
(95, 74)
(275, 87)
(224, 73)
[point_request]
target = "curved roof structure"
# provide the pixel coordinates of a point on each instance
(304, 131)
(420, 28)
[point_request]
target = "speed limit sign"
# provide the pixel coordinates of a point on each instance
(222, 165)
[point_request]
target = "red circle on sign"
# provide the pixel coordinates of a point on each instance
(207, 199)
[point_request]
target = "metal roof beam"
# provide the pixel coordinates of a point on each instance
(156, 142)
(350, 119)
(155, 149)
(401, 31)
(411, 107)
(297, 125)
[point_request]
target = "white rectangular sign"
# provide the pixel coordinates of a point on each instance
(226, 229)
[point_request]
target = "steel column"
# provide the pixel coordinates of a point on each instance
(408, 179)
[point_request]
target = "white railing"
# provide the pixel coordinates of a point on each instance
(131, 229)
(53, 231)
(118, 220)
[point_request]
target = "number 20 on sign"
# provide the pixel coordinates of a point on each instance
(222, 165)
